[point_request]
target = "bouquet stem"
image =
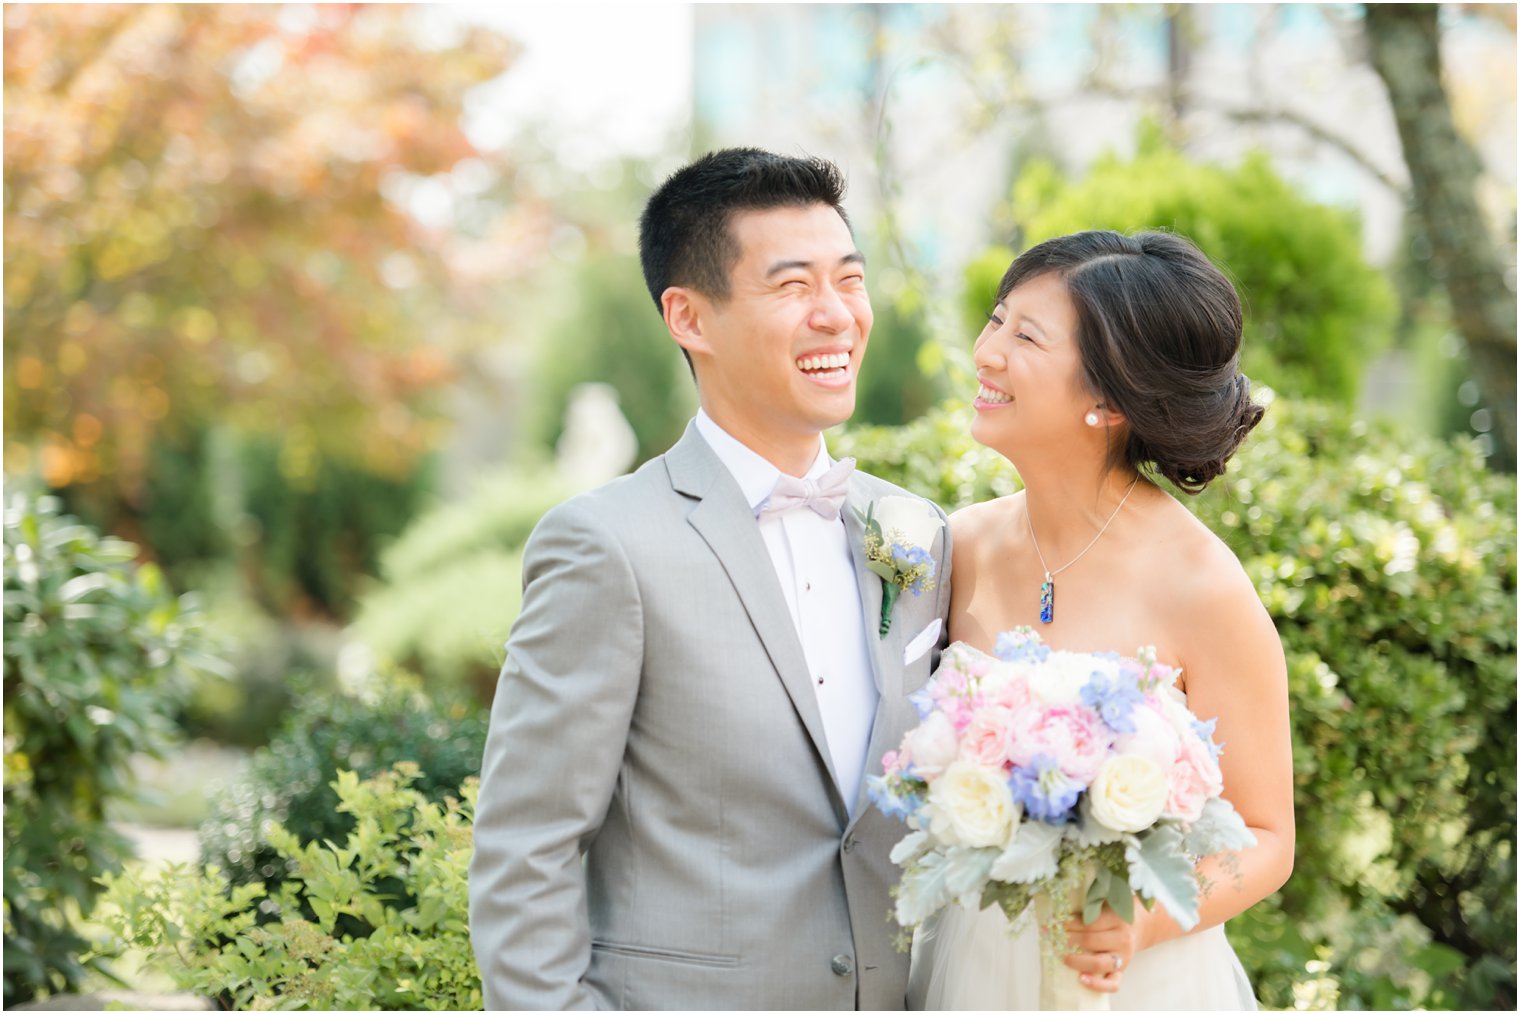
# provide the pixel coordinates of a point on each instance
(1061, 985)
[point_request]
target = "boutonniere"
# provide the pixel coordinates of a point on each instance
(899, 532)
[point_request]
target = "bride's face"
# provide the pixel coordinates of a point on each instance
(1030, 370)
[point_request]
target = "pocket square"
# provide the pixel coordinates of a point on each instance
(922, 642)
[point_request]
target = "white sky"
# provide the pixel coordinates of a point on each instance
(611, 79)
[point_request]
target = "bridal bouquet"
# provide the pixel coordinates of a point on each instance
(1040, 774)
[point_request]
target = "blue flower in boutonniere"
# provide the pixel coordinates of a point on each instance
(899, 532)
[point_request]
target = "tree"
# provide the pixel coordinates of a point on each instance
(200, 227)
(1404, 47)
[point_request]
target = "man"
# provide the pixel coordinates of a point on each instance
(672, 810)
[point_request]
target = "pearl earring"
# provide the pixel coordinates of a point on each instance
(1091, 418)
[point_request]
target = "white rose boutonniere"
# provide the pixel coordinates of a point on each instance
(899, 532)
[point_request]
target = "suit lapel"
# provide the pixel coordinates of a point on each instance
(886, 652)
(728, 526)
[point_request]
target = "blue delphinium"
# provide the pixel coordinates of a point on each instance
(1044, 790)
(1205, 731)
(1020, 646)
(922, 700)
(915, 565)
(902, 807)
(1114, 701)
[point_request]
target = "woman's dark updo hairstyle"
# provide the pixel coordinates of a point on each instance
(1158, 328)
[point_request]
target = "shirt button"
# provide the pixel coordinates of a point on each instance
(807, 586)
(820, 679)
(842, 965)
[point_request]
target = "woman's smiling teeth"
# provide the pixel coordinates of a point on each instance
(987, 394)
(817, 364)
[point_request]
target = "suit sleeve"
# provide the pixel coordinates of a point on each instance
(559, 725)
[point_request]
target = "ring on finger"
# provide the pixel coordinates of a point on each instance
(1118, 964)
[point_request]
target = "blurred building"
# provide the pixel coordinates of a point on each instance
(938, 104)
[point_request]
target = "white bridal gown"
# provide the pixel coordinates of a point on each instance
(973, 960)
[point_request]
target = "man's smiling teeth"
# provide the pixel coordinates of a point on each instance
(837, 361)
(995, 397)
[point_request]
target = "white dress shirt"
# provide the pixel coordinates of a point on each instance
(817, 574)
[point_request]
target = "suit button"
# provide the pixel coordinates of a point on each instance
(842, 965)
(849, 844)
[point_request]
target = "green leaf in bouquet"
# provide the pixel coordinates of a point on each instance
(922, 891)
(1159, 869)
(966, 870)
(1087, 831)
(1112, 888)
(911, 848)
(1218, 829)
(1013, 899)
(1031, 856)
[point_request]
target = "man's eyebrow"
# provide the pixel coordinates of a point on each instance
(855, 257)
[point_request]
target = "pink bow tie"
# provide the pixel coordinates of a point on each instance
(824, 495)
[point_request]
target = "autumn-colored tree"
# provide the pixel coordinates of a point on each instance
(206, 222)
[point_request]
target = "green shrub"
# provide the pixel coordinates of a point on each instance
(451, 585)
(1316, 311)
(1387, 562)
(98, 652)
(303, 530)
(378, 923)
(290, 781)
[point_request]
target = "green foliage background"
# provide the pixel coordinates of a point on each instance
(378, 922)
(291, 781)
(1316, 311)
(98, 651)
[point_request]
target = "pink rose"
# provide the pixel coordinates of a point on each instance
(931, 746)
(1011, 695)
(1193, 780)
(950, 695)
(1073, 735)
(985, 740)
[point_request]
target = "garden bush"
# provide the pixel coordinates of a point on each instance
(451, 585)
(376, 923)
(291, 781)
(1387, 562)
(1317, 312)
(98, 653)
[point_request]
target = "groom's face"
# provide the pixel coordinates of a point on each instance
(779, 356)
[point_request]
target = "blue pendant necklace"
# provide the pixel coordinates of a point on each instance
(1048, 586)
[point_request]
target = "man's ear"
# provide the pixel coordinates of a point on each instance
(684, 310)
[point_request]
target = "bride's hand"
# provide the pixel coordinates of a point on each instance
(1102, 950)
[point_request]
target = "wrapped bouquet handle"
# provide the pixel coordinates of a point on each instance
(1061, 985)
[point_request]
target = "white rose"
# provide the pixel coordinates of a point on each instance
(1129, 793)
(1154, 737)
(908, 520)
(1059, 682)
(972, 806)
(933, 745)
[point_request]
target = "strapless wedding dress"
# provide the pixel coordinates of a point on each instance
(964, 959)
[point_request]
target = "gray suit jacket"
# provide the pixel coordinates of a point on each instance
(659, 825)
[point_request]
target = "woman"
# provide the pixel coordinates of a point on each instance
(1109, 359)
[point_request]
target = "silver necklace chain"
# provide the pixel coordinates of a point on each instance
(1035, 539)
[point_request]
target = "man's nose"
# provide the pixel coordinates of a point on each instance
(830, 314)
